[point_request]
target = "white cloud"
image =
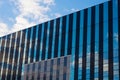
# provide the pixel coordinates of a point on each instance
(21, 23)
(3, 29)
(71, 10)
(57, 15)
(74, 10)
(29, 13)
(49, 2)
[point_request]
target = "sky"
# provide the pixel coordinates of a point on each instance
(16, 15)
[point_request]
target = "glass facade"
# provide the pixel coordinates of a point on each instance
(90, 36)
(51, 69)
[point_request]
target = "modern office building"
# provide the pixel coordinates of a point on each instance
(91, 37)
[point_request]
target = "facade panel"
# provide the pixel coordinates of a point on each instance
(60, 69)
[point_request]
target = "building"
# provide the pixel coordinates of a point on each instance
(90, 37)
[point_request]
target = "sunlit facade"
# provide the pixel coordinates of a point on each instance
(90, 37)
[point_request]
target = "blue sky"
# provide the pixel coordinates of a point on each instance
(19, 14)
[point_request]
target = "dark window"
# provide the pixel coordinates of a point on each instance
(63, 36)
(44, 40)
(69, 50)
(39, 66)
(77, 46)
(38, 77)
(27, 45)
(110, 41)
(64, 76)
(33, 43)
(32, 77)
(38, 42)
(101, 42)
(26, 77)
(33, 68)
(50, 39)
(84, 45)
(56, 37)
(58, 61)
(65, 61)
(92, 48)
(28, 68)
